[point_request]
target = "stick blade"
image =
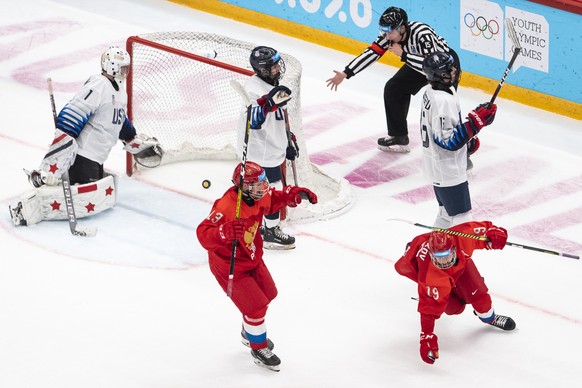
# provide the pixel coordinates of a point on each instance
(401, 220)
(85, 232)
(241, 91)
(512, 34)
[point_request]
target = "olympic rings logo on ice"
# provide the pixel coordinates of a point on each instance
(480, 26)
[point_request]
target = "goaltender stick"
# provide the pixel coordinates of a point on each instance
(87, 128)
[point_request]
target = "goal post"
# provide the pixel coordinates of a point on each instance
(179, 92)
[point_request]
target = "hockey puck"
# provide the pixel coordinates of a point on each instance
(206, 183)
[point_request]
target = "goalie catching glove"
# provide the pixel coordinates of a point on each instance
(277, 98)
(146, 150)
(140, 143)
(296, 194)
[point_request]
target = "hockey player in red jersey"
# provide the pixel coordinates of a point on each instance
(253, 287)
(448, 279)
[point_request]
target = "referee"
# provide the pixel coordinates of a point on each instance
(412, 42)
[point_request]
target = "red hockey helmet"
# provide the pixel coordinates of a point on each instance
(442, 250)
(255, 183)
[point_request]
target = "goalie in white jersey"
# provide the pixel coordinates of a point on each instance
(87, 128)
(444, 137)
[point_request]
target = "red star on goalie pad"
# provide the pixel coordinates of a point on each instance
(109, 190)
(53, 168)
(90, 207)
(55, 205)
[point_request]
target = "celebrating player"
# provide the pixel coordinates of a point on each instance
(87, 128)
(448, 279)
(411, 42)
(268, 144)
(444, 137)
(253, 287)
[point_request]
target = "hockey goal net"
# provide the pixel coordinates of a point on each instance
(179, 92)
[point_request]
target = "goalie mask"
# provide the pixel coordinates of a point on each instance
(267, 64)
(392, 19)
(115, 62)
(440, 68)
(442, 250)
(255, 183)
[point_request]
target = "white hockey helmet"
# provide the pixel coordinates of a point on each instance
(115, 62)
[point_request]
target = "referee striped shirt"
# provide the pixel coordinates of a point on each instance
(421, 40)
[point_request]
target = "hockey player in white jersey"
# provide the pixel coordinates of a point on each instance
(444, 137)
(268, 144)
(86, 130)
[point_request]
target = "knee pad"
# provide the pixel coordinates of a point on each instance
(455, 306)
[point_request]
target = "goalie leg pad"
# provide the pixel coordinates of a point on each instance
(89, 199)
(26, 211)
(48, 202)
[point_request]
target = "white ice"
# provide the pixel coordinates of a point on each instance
(137, 306)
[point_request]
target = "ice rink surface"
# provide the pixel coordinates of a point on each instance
(137, 307)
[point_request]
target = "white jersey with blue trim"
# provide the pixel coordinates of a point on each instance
(268, 143)
(95, 116)
(444, 152)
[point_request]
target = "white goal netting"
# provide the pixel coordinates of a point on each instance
(181, 95)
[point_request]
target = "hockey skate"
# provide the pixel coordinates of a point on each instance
(247, 343)
(267, 359)
(501, 321)
(275, 238)
(16, 214)
(394, 144)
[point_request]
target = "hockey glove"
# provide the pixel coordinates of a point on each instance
(296, 194)
(293, 143)
(429, 347)
(277, 98)
(291, 153)
(231, 230)
(473, 145)
(139, 143)
(497, 237)
(483, 115)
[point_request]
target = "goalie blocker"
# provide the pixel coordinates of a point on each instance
(48, 202)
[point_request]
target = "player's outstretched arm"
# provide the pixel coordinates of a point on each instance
(337, 79)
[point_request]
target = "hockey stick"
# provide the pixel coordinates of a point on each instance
(516, 51)
(240, 90)
(481, 238)
(290, 143)
(71, 217)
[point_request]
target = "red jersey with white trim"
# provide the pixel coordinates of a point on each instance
(435, 284)
(250, 248)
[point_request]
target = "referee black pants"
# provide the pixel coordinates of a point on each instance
(397, 94)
